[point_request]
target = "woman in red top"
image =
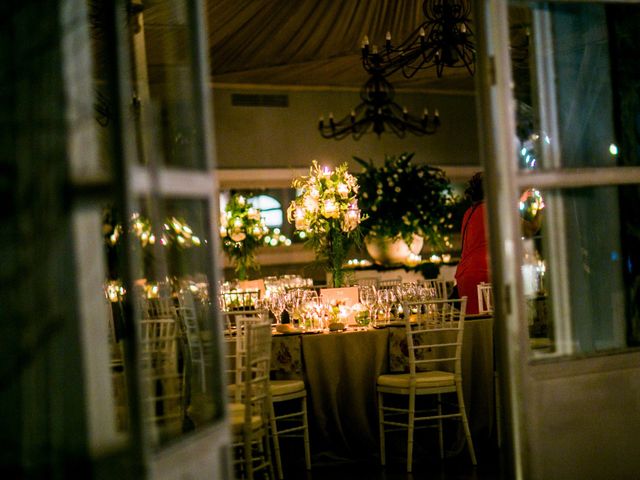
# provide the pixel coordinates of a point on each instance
(474, 262)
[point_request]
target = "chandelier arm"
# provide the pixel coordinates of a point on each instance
(467, 57)
(447, 27)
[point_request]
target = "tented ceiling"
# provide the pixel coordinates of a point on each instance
(310, 42)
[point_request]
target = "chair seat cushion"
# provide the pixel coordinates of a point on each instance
(236, 416)
(231, 389)
(235, 408)
(434, 378)
(285, 387)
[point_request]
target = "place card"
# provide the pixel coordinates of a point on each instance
(347, 296)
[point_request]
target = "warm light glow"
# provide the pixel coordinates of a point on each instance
(613, 149)
(330, 208)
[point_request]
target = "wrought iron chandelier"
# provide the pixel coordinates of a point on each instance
(443, 40)
(378, 112)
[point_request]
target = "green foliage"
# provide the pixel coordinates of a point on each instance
(242, 229)
(403, 198)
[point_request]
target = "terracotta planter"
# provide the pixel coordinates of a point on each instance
(392, 251)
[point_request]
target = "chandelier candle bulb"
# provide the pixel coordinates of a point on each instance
(365, 43)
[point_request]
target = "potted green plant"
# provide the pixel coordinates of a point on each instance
(406, 204)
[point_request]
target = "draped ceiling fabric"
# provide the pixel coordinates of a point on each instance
(306, 42)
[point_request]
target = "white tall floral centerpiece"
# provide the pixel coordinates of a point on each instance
(326, 209)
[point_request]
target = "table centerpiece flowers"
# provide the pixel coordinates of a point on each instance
(242, 229)
(326, 210)
(405, 203)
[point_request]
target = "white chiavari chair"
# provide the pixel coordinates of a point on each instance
(485, 298)
(434, 332)
(374, 281)
(199, 352)
(289, 417)
(159, 335)
(250, 412)
(437, 285)
(389, 282)
(238, 302)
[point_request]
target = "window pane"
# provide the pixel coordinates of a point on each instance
(581, 259)
(169, 118)
(270, 209)
(172, 295)
(571, 111)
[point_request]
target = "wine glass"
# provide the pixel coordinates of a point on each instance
(306, 298)
(275, 302)
(368, 298)
(291, 303)
(386, 298)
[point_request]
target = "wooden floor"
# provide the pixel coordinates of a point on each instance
(458, 467)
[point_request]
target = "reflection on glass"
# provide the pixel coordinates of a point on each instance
(562, 86)
(175, 324)
(576, 107)
(599, 244)
(163, 243)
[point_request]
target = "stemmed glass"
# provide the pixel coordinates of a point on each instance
(275, 302)
(368, 298)
(306, 297)
(291, 303)
(386, 298)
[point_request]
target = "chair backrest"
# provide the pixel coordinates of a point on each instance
(115, 345)
(162, 374)
(253, 360)
(485, 298)
(186, 311)
(367, 281)
(434, 330)
(198, 348)
(239, 300)
(437, 285)
(236, 348)
(389, 282)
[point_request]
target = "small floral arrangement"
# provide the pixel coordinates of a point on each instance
(326, 210)
(402, 198)
(242, 229)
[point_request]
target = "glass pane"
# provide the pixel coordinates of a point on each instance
(175, 325)
(572, 66)
(575, 91)
(592, 233)
(169, 118)
(159, 275)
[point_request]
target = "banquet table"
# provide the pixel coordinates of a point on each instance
(340, 370)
